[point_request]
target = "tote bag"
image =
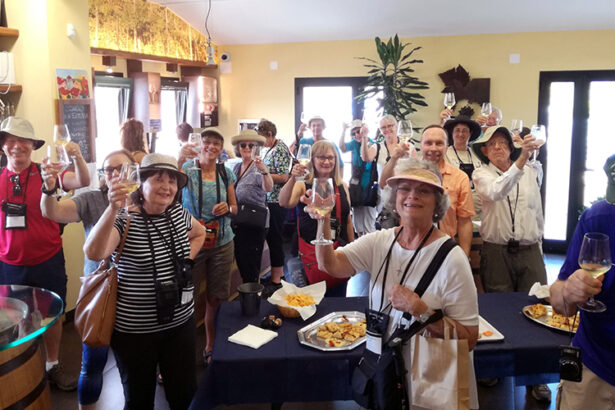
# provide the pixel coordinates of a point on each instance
(440, 371)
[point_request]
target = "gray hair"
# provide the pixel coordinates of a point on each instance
(388, 118)
(500, 115)
(389, 194)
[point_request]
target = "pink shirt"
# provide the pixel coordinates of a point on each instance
(457, 185)
(41, 239)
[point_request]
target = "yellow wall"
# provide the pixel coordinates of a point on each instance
(252, 90)
(42, 47)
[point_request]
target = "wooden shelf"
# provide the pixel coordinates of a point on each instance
(148, 57)
(9, 32)
(15, 88)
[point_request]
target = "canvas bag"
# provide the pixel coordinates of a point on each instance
(440, 371)
(95, 310)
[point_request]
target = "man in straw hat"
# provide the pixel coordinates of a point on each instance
(596, 390)
(512, 222)
(30, 244)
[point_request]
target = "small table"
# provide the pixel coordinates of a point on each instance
(25, 313)
(284, 370)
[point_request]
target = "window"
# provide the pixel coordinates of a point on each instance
(173, 98)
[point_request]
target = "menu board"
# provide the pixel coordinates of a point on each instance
(78, 115)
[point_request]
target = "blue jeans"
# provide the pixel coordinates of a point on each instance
(93, 361)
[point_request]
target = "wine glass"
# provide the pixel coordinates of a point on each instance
(256, 151)
(61, 135)
(129, 176)
(58, 159)
(595, 258)
(304, 120)
(540, 133)
(404, 131)
(485, 109)
(304, 156)
(323, 200)
(516, 127)
(194, 138)
(449, 101)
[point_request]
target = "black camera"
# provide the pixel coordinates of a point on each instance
(184, 272)
(570, 364)
(167, 298)
(513, 246)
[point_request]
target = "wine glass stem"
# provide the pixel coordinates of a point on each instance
(321, 224)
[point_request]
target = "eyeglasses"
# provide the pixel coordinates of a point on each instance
(493, 143)
(17, 186)
(109, 170)
(324, 158)
(243, 145)
(387, 126)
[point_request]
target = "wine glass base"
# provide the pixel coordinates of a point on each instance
(322, 242)
(594, 306)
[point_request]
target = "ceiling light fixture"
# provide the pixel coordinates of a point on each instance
(210, 49)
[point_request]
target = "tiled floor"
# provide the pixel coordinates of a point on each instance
(503, 396)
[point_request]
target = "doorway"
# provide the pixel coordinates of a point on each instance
(574, 107)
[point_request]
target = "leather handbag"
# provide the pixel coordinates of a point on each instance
(252, 216)
(95, 310)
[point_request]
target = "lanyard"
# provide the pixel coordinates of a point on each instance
(512, 212)
(241, 174)
(24, 186)
(201, 190)
(386, 266)
(170, 248)
(459, 158)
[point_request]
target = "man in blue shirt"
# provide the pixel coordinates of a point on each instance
(316, 124)
(596, 333)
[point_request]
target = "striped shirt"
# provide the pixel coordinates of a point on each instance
(136, 295)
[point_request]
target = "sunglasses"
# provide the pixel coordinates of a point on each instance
(243, 145)
(109, 170)
(355, 132)
(17, 186)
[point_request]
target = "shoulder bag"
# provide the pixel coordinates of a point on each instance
(248, 214)
(95, 310)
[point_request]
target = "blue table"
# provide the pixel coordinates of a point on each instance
(286, 371)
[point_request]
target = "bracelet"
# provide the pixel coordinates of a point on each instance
(265, 174)
(50, 191)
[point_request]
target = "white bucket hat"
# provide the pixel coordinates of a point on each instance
(19, 127)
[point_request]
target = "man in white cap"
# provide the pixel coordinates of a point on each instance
(595, 336)
(30, 244)
(364, 180)
(317, 125)
(512, 222)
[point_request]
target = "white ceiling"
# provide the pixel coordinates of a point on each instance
(278, 21)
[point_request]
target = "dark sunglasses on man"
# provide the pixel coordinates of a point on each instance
(16, 185)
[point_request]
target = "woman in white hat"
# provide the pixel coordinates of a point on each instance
(251, 187)
(154, 324)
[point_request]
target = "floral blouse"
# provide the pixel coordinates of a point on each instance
(278, 161)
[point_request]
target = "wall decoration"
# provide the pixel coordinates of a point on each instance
(144, 27)
(72, 84)
(457, 80)
(246, 124)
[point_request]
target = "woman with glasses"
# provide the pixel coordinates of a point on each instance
(210, 198)
(251, 187)
(323, 164)
(86, 207)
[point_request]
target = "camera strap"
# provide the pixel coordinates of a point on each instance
(513, 213)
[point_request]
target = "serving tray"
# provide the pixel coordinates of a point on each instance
(484, 326)
(307, 335)
(543, 319)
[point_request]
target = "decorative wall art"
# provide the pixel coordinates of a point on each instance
(72, 84)
(140, 26)
(457, 80)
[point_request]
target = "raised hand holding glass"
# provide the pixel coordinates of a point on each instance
(323, 201)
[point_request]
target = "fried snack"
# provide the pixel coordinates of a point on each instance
(537, 310)
(563, 322)
(299, 299)
(341, 334)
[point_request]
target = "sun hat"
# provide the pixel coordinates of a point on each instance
(316, 117)
(417, 174)
(248, 135)
(19, 127)
(213, 130)
(160, 162)
(356, 124)
(450, 125)
(609, 169)
(515, 150)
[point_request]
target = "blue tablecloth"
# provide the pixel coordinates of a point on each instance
(283, 370)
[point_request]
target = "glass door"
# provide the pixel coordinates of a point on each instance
(573, 105)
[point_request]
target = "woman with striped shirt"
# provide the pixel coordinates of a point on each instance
(155, 312)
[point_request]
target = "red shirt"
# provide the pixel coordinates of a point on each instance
(41, 239)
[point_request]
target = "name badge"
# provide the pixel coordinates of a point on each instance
(186, 296)
(14, 215)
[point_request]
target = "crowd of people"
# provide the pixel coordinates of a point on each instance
(192, 216)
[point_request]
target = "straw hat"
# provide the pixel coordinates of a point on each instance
(248, 135)
(160, 162)
(419, 175)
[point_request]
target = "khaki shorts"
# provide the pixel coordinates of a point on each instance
(591, 393)
(215, 266)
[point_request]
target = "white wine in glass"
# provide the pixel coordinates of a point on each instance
(58, 159)
(540, 133)
(595, 258)
(485, 109)
(449, 100)
(304, 156)
(61, 135)
(129, 176)
(194, 138)
(323, 201)
(404, 132)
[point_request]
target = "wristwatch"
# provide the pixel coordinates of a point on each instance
(425, 316)
(50, 191)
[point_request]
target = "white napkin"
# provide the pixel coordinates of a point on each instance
(252, 336)
(317, 291)
(540, 291)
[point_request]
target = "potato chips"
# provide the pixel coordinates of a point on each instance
(299, 300)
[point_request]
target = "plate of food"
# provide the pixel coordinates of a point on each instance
(488, 333)
(544, 315)
(335, 331)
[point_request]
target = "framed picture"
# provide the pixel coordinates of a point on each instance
(246, 124)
